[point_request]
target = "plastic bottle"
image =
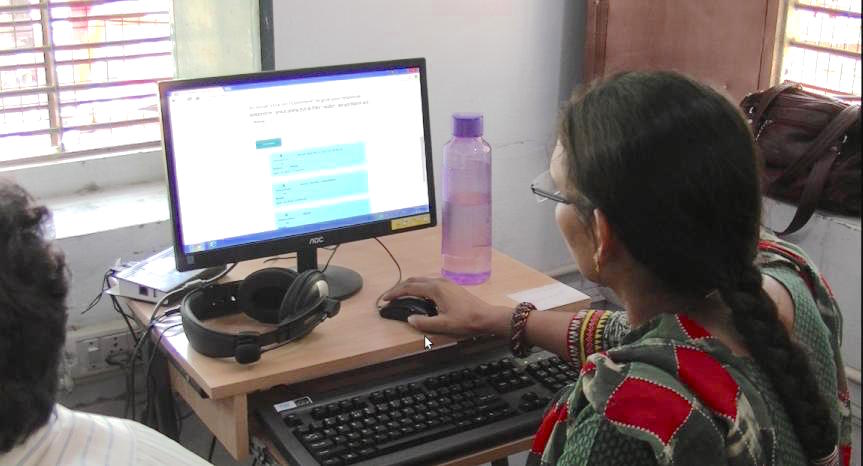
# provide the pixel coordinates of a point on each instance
(466, 244)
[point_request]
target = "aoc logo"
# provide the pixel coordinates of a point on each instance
(316, 240)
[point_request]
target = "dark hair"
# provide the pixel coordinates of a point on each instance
(33, 291)
(672, 165)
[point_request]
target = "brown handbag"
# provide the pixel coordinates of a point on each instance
(810, 145)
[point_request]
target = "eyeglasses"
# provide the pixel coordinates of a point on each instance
(544, 189)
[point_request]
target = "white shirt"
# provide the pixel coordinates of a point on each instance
(78, 438)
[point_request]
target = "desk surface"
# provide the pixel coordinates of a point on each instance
(357, 336)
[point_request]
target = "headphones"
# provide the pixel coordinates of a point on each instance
(296, 303)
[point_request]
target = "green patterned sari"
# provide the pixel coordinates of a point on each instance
(669, 393)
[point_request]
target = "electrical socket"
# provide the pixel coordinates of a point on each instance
(116, 343)
(92, 349)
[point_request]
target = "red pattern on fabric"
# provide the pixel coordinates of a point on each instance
(844, 395)
(588, 367)
(648, 406)
(845, 451)
(552, 417)
(691, 328)
(709, 381)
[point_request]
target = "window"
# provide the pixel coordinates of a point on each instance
(822, 49)
(78, 77)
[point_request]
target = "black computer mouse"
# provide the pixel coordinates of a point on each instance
(402, 308)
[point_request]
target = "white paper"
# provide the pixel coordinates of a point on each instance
(549, 296)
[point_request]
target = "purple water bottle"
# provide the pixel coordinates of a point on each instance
(466, 245)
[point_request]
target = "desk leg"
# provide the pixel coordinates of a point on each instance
(227, 418)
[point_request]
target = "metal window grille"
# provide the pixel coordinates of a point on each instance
(822, 49)
(78, 77)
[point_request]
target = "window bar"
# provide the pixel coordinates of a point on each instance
(826, 10)
(113, 43)
(836, 94)
(821, 48)
(51, 77)
(77, 87)
(87, 60)
(110, 124)
(139, 14)
(78, 102)
(84, 61)
(85, 46)
(23, 108)
(12, 24)
(42, 5)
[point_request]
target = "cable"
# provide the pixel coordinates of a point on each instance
(279, 258)
(147, 383)
(330, 258)
(378, 301)
(212, 448)
(98, 297)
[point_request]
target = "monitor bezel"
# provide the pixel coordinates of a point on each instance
(232, 254)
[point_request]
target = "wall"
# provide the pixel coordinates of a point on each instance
(513, 60)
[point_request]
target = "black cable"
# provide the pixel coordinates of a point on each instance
(147, 381)
(399, 267)
(153, 319)
(279, 258)
(212, 448)
(126, 318)
(327, 264)
(98, 297)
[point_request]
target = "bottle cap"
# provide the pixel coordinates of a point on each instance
(467, 125)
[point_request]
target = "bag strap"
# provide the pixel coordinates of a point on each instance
(817, 178)
(830, 134)
(811, 192)
(767, 98)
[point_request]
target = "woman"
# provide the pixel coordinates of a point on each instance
(657, 190)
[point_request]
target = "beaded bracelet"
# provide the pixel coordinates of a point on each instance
(518, 343)
(590, 334)
(573, 340)
(582, 336)
(599, 340)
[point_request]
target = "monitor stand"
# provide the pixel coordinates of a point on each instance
(343, 282)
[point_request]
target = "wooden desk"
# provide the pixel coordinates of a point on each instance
(356, 337)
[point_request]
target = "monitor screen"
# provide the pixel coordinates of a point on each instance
(267, 163)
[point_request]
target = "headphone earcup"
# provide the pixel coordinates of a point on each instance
(308, 290)
(261, 295)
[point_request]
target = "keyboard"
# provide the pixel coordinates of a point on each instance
(424, 409)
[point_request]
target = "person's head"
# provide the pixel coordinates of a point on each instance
(33, 291)
(662, 171)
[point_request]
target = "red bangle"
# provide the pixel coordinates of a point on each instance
(518, 343)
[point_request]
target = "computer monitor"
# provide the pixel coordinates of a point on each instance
(268, 163)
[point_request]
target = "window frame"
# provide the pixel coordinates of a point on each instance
(53, 89)
(197, 23)
(786, 42)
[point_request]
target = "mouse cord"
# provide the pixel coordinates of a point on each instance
(378, 301)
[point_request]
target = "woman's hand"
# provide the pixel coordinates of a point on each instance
(459, 312)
